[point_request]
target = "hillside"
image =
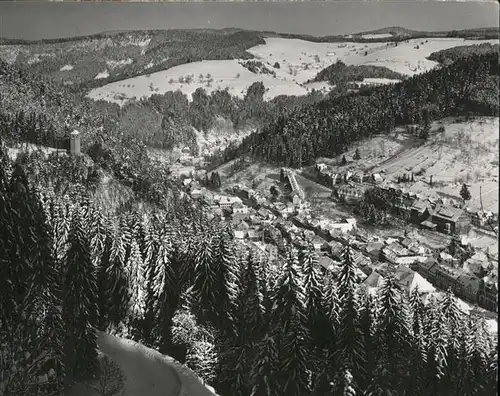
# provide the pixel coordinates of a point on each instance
(298, 61)
(83, 63)
(452, 54)
(86, 62)
(328, 128)
(172, 281)
(457, 152)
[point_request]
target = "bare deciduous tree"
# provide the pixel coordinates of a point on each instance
(111, 380)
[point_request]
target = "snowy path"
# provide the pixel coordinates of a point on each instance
(146, 373)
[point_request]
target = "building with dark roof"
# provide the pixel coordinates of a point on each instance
(450, 220)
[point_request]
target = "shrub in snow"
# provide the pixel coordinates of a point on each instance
(111, 378)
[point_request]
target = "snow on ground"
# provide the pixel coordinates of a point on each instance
(223, 73)
(66, 68)
(469, 308)
(376, 36)
(103, 74)
(465, 153)
(124, 62)
(147, 371)
(377, 81)
(9, 53)
(13, 152)
(322, 86)
(299, 62)
(404, 58)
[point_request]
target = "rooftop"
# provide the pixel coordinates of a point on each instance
(448, 213)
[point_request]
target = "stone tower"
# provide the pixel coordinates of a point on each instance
(75, 142)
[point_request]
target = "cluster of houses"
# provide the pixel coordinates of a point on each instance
(406, 278)
(476, 280)
(265, 228)
(331, 178)
(442, 214)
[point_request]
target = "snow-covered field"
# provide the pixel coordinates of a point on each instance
(147, 371)
(66, 68)
(299, 62)
(103, 74)
(465, 152)
(377, 36)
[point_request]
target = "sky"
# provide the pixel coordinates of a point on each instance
(42, 19)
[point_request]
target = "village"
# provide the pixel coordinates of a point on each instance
(265, 222)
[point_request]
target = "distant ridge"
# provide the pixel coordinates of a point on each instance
(397, 33)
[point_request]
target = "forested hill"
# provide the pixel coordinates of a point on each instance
(450, 55)
(469, 85)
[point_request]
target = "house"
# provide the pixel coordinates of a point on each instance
(418, 250)
(390, 241)
(241, 225)
(411, 129)
(350, 194)
(326, 262)
(318, 242)
(478, 264)
(429, 225)
(373, 249)
(377, 178)
(254, 235)
(258, 199)
(488, 293)
(450, 220)
(360, 259)
(240, 234)
(321, 167)
(227, 203)
(393, 252)
(447, 259)
(240, 212)
(264, 213)
(467, 286)
(196, 193)
(408, 280)
(427, 269)
(359, 177)
(335, 248)
(343, 226)
(295, 197)
(407, 243)
(375, 279)
(335, 178)
(446, 277)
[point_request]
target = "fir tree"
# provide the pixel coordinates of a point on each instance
(357, 155)
(349, 349)
(225, 287)
(313, 295)
(291, 331)
(205, 281)
(392, 337)
(80, 307)
(465, 193)
(135, 273)
(264, 372)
